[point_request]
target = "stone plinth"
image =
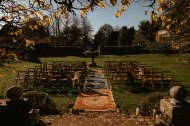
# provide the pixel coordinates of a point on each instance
(178, 115)
(175, 109)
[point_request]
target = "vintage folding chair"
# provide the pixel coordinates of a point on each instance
(31, 75)
(158, 78)
(21, 78)
(76, 81)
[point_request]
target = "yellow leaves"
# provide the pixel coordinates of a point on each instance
(123, 8)
(2, 51)
(168, 27)
(14, 71)
(168, 19)
(113, 2)
(40, 12)
(33, 1)
(157, 38)
(45, 17)
(3, 54)
(161, 1)
(11, 9)
(35, 27)
(175, 45)
(160, 9)
(183, 22)
(174, 21)
(43, 1)
(163, 24)
(48, 21)
(163, 17)
(56, 14)
(101, 4)
(84, 11)
(16, 33)
(26, 17)
(14, 56)
(39, 23)
(11, 33)
(154, 17)
(172, 2)
(20, 31)
(30, 26)
(14, 40)
(10, 17)
(29, 42)
(118, 13)
(47, 6)
(1, 75)
(177, 31)
(16, 9)
(22, 7)
(126, 2)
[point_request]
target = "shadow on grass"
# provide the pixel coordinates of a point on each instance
(90, 92)
(99, 67)
(147, 89)
(35, 60)
(137, 89)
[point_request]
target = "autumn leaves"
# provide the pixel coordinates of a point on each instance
(103, 4)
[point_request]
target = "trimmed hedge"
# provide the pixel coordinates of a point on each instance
(46, 50)
(115, 50)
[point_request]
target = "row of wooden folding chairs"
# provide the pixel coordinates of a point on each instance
(43, 77)
(111, 66)
(72, 65)
(152, 78)
(138, 73)
(45, 74)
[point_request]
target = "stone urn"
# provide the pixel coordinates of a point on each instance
(92, 55)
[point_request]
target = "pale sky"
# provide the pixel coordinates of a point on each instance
(132, 17)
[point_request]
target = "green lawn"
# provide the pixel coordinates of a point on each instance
(124, 96)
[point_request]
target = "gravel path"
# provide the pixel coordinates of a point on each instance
(98, 119)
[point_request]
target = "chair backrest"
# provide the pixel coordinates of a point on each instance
(21, 74)
(77, 75)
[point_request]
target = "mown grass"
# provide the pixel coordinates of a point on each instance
(124, 95)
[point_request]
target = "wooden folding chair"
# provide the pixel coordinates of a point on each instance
(76, 81)
(158, 78)
(42, 77)
(31, 75)
(167, 79)
(21, 78)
